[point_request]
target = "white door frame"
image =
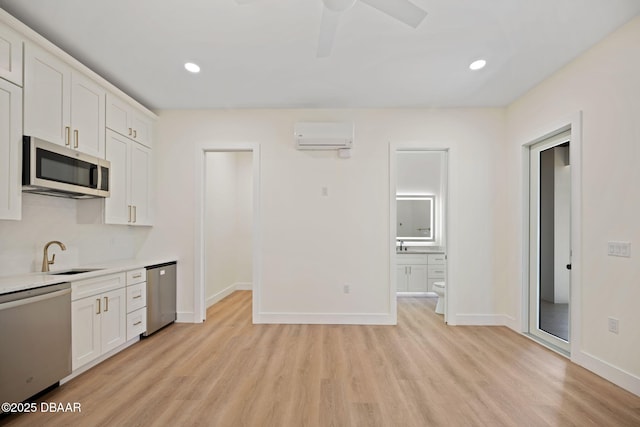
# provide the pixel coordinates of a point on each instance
(574, 125)
(535, 152)
(394, 147)
(199, 299)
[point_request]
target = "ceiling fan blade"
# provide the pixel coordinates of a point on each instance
(402, 10)
(328, 30)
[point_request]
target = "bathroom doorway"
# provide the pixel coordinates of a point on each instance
(418, 226)
(550, 241)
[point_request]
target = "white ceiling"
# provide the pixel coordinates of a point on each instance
(263, 54)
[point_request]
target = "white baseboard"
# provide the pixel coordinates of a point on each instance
(220, 295)
(85, 368)
(607, 371)
(185, 317)
(481, 320)
(326, 318)
(238, 286)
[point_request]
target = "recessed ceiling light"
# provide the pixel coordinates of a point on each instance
(190, 66)
(477, 65)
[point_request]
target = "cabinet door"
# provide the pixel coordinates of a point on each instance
(418, 278)
(85, 330)
(10, 55)
(10, 151)
(114, 319)
(142, 128)
(87, 115)
(47, 96)
(119, 115)
(401, 278)
(117, 204)
(140, 184)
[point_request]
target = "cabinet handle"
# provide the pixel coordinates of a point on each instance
(135, 133)
(67, 131)
(99, 309)
(130, 131)
(129, 206)
(76, 137)
(137, 296)
(106, 304)
(135, 214)
(137, 276)
(137, 323)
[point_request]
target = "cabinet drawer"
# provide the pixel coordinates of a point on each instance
(136, 276)
(136, 323)
(436, 259)
(136, 297)
(406, 259)
(97, 285)
(436, 271)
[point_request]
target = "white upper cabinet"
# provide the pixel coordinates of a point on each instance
(129, 202)
(61, 105)
(10, 151)
(87, 115)
(10, 55)
(140, 182)
(47, 82)
(126, 120)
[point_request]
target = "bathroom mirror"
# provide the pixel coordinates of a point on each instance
(415, 218)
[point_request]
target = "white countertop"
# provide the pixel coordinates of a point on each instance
(35, 280)
(419, 251)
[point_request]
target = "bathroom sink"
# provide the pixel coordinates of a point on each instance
(73, 271)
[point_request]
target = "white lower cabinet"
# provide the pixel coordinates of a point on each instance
(136, 302)
(418, 272)
(412, 273)
(98, 317)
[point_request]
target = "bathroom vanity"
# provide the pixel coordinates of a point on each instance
(416, 272)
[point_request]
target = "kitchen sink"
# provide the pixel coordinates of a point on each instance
(74, 271)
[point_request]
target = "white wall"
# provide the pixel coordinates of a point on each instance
(604, 84)
(312, 244)
(46, 218)
(227, 223)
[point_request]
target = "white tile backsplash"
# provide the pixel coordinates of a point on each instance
(46, 218)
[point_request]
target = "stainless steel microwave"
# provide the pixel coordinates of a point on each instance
(55, 170)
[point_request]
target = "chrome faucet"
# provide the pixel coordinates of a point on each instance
(45, 256)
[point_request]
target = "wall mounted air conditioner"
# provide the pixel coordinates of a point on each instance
(323, 135)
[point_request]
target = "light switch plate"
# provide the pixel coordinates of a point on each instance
(621, 249)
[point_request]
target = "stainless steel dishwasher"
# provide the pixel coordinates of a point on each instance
(161, 296)
(35, 340)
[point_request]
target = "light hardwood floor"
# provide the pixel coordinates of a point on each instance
(229, 372)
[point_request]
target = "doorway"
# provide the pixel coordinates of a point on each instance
(227, 231)
(550, 238)
(227, 224)
(418, 227)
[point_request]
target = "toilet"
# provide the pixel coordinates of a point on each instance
(439, 289)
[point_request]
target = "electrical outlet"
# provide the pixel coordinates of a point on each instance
(346, 288)
(613, 325)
